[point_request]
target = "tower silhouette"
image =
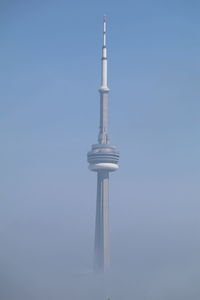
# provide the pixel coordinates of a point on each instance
(103, 159)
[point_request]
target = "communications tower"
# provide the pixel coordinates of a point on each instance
(103, 159)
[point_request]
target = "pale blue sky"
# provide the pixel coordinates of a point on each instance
(49, 114)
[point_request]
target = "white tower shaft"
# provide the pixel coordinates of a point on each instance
(103, 158)
(102, 222)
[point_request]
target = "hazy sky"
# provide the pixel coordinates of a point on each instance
(49, 117)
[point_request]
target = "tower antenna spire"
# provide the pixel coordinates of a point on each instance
(104, 30)
(104, 59)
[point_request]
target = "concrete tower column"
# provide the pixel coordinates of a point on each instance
(102, 222)
(103, 158)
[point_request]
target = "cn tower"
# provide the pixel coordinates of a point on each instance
(103, 159)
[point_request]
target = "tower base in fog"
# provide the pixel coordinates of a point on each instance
(103, 158)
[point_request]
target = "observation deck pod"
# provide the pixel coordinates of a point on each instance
(103, 157)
